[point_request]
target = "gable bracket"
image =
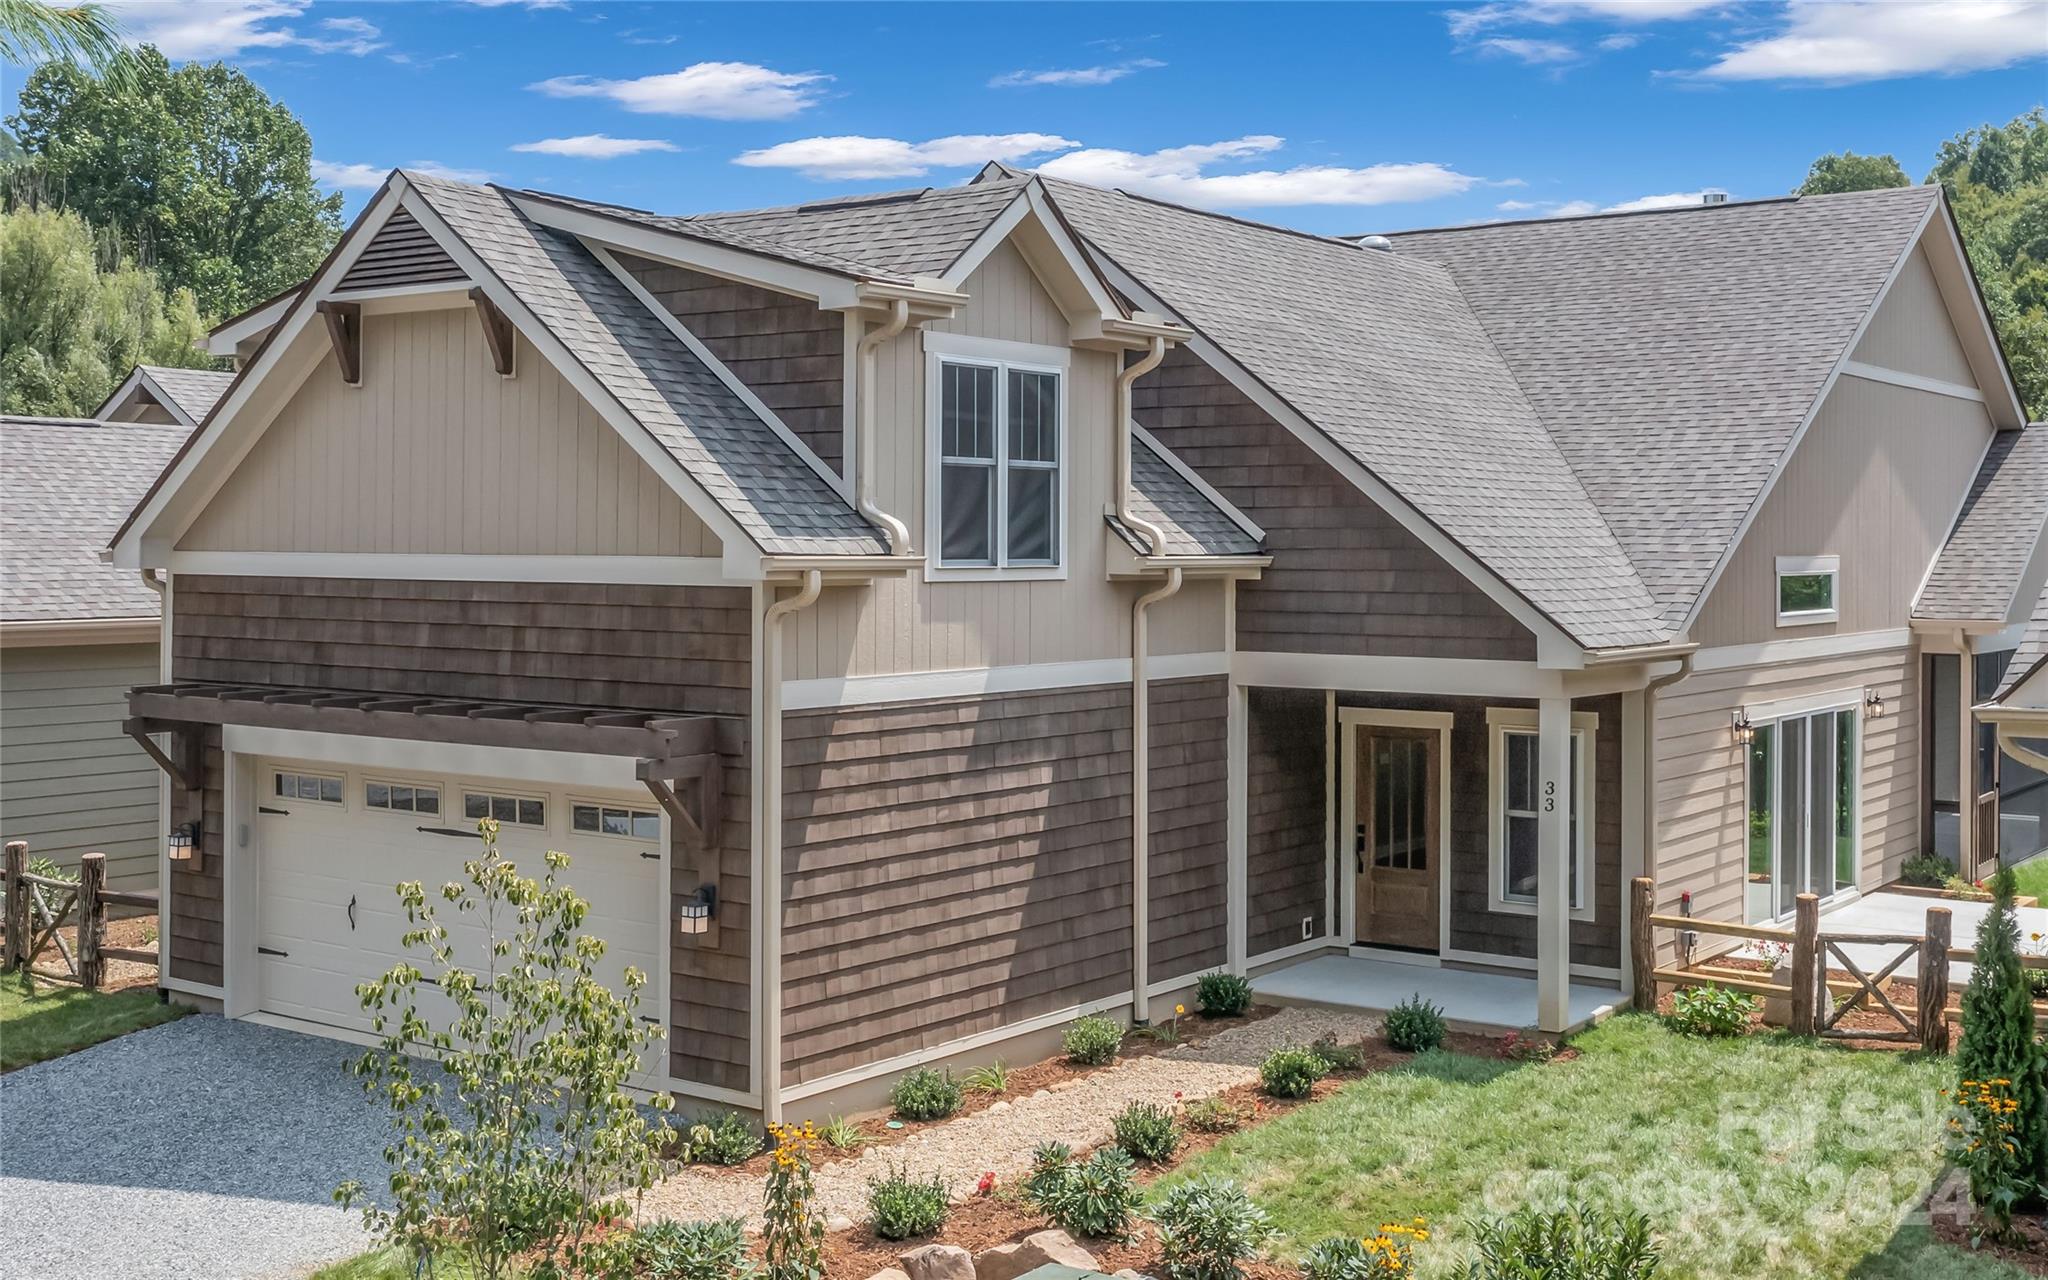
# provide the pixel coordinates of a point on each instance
(345, 331)
(702, 777)
(497, 330)
(184, 763)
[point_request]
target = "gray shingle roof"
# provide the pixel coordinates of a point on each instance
(1381, 353)
(195, 390)
(69, 484)
(781, 502)
(1980, 565)
(1672, 355)
(1193, 525)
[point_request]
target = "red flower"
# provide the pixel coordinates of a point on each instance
(1176, 1095)
(987, 1185)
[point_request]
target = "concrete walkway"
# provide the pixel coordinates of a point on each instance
(1883, 912)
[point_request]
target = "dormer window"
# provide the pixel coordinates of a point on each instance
(998, 446)
(1809, 590)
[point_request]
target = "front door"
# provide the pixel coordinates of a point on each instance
(1395, 843)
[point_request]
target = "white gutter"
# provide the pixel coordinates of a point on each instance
(771, 839)
(1122, 435)
(1141, 802)
(864, 427)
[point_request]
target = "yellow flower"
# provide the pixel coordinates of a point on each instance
(1179, 1009)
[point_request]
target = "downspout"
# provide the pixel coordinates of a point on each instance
(1155, 539)
(864, 427)
(771, 839)
(1650, 692)
(1141, 800)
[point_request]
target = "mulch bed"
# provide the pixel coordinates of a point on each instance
(135, 931)
(2029, 1252)
(1868, 1016)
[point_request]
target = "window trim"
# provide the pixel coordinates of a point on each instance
(1829, 567)
(942, 349)
(369, 780)
(1500, 721)
(569, 818)
(277, 772)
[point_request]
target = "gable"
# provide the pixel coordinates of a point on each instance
(401, 254)
(437, 454)
(1007, 300)
(1912, 331)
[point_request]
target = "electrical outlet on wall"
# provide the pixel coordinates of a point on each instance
(1308, 928)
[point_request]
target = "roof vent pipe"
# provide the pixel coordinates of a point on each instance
(864, 446)
(1713, 195)
(1381, 243)
(1155, 538)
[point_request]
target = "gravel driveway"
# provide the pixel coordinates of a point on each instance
(198, 1148)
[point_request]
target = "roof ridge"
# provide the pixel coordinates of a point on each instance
(1602, 215)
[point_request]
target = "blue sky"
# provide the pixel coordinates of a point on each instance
(1334, 118)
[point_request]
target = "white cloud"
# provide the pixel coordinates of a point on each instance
(1177, 174)
(712, 90)
(1517, 206)
(858, 157)
(1668, 200)
(1573, 209)
(525, 4)
(1848, 40)
(1073, 76)
(1620, 40)
(352, 36)
(1466, 21)
(1537, 53)
(226, 28)
(435, 169)
(368, 177)
(594, 146)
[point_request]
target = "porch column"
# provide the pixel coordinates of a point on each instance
(1553, 863)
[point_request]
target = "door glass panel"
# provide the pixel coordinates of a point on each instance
(1845, 799)
(1818, 865)
(1761, 827)
(1791, 812)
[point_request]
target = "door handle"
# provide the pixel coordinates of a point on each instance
(351, 913)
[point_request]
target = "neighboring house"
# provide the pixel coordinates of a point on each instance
(795, 572)
(76, 634)
(152, 393)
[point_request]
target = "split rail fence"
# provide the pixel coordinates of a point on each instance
(37, 908)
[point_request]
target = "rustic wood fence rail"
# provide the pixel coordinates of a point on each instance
(37, 907)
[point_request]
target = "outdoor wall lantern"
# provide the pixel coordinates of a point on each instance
(184, 846)
(1873, 703)
(1745, 732)
(694, 916)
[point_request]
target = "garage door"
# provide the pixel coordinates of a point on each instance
(334, 842)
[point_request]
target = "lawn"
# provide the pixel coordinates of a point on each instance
(388, 1264)
(1760, 1156)
(2032, 877)
(40, 1020)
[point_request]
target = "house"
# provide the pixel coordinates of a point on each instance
(75, 635)
(926, 617)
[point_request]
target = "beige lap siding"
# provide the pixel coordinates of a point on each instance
(1189, 815)
(1286, 838)
(684, 649)
(950, 868)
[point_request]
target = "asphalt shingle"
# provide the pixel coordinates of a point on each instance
(196, 391)
(1980, 565)
(70, 482)
(1164, 498)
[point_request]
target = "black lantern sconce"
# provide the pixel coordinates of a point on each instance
(1745, 732)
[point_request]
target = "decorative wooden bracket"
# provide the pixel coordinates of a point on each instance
(497, 330)
(704, 775)
(345, 331)
(185, 763)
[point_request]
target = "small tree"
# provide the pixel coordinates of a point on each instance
(1998, 1028)
(524, 1138)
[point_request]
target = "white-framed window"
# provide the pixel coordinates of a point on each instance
(996, 492)
(1802, 826)
(1809, 590)
(1516, 806)
(509, 808)
(401, 797)
(306, 788)
(605, 818)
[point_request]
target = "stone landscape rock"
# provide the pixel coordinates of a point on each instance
(839, 1222)
(938, 1262)
(1008, 1261)
(889, 1273)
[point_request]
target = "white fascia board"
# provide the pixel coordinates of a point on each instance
(138, 379)
(2033, 581)
(1554, 646)
(143, 542)
(1031, 204)
(831, 291)
(1187, 473)
(223, 340)
(984, 244)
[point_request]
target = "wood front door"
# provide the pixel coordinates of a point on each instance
(1395, 845)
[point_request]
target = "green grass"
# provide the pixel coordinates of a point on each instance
(2032, 877)
(1758, 1156)
(388, 1264)
(41, 1020)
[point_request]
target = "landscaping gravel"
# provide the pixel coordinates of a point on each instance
(1000, 1139)
(200, 1148)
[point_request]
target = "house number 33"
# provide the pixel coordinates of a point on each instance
(1549, 797)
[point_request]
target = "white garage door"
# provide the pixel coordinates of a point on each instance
(335, 842)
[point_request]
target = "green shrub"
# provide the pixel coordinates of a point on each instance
(925, 1094)
(1092, 1041)
(715, 1250)
(1147, 1131)
(730, 1139)
(841, 1134)
(1710, 1011)
(1998, 1032)
(1207, 1228)
(1566, 1244)
(1213, 1115)
(903, 1208)
(1092, 1197)
(1291, 1073)
(1387, 1255)
(1222, 995)
(1415, 1025)
(1929, 871)
(1338, 1057)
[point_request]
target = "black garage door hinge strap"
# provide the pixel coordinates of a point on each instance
(275, 813)
(271, 951)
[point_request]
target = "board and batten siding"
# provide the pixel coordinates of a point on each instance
(951, 867)
(905, 624)
(437, 454)
(1912, 331)
(70, 781)
(1702, 776)
(1187, 886)
(783, 348)
(656, 648)
(1346, 578)
(1287, 860)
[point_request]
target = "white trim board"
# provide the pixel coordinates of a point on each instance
(1773, 652)
(1481, 677)
(1915, 381)
(925, 686)
(444, 758)
(681, 571)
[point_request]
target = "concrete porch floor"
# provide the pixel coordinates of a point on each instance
(1472, 999)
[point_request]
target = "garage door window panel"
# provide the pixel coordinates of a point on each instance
(401, 797)
(590, 818)
(509, 810)
(309, 788)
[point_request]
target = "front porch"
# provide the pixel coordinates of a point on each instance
(1479, 1000)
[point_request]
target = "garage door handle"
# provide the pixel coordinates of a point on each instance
(271, 951)
(444, 831)
(653, 1021)
(275, 813)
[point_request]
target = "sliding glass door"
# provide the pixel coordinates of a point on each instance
(1802, 810)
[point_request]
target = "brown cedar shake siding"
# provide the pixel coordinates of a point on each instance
(786, 351)
(1345, 577)
(1190, 787)
(1286, 845)
(637, 647)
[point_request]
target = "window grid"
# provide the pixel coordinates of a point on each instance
(999, 500)
(588, 818)
(509, 810)
(1521, 815)
(314, 788)
(401, 797)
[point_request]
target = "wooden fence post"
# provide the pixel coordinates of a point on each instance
(17, 904)
(1642, 945)
(1808, 968)
(92, 920)
(1933, 982)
